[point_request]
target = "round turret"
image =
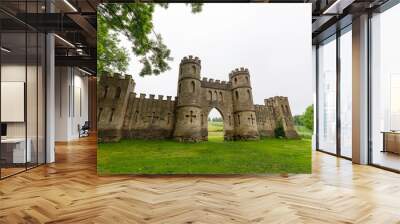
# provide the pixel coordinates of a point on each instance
(240, 77)
(190, 68)
(243, 106)
(189, 84)
(241, 90)
(188, 112)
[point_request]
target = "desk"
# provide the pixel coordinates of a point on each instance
(391, 142)
(13, 150)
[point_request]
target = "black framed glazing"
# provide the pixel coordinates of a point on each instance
(35, 46)
(388, 5)
(334, 37)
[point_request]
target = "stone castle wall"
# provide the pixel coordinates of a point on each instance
(276, 109)
(112, 97)
(149, 117)
(265, 120)
(124, 114)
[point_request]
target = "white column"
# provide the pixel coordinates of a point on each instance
(360, 90)
(50, 98)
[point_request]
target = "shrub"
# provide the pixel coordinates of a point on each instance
(279, 131)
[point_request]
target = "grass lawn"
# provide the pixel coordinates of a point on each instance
(215, 126)
(304, 132)
(213, 157)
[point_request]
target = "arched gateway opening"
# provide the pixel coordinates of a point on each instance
(215, 127)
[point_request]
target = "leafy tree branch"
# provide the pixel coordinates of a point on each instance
(135, 22)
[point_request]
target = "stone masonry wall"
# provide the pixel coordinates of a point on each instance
(112, 96)
(149, 118)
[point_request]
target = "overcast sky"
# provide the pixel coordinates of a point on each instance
(272, 40)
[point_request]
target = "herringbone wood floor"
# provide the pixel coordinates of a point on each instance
(69, 191)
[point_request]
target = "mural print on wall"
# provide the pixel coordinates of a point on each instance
(207, 94)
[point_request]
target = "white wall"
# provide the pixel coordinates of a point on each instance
(16, 73)
(33, 126)
(71, 94)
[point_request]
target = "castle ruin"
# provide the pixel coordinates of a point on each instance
(124, 114)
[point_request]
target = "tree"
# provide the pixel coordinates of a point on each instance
(308, 117)
(297, 119)
(134, 21)
(217, 119)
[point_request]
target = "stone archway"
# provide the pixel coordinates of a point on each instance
(214, 127)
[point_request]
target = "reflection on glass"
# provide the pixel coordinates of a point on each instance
(386, 89)
(327, 96)
(14, 153)
(22, 90)
(346, 94)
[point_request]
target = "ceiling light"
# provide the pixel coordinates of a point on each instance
(64, 40)
(5, 50)
(70, 5)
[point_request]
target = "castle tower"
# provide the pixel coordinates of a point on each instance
(284, 115)
(112, 100)
(243, 107)
(188, 107)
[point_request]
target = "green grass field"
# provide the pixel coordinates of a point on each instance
(304, 132)
(213, 157)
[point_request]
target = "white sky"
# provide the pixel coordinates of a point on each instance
(272, 40)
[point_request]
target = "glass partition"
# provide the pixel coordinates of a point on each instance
(385, 89)
(22, 101)
(327, 96)
(14, 153)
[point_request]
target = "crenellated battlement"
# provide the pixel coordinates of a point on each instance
(144, 96)
(276, 99)
(191, 59)
(117, 76)
(238, 71)
(259, 107)
(215, 84)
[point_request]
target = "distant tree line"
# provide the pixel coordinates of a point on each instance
(306, 119)
(215, 119)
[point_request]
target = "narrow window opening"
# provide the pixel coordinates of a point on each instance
(105, 91)
(193, 87)
(111, 115)
(117, 93)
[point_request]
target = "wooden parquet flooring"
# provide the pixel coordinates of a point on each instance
(69, 191)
